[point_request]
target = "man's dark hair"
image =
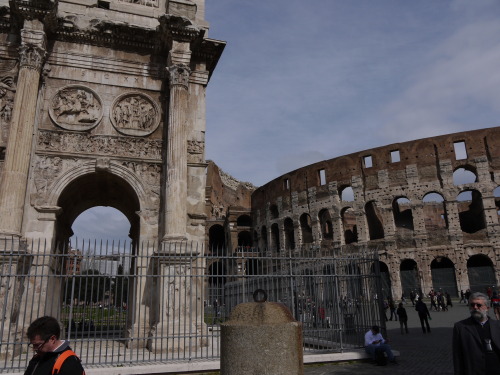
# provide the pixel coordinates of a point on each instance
(376, 329)
(45, 327)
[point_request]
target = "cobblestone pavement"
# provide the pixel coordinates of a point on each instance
(420, 353)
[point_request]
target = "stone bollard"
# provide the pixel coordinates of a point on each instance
(261, 338)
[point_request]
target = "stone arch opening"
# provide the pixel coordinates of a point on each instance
(354, 284)
(464, 175)
(443, 276)
(216, 280)
(346, 194)
(289, 234)
(217, 239)
(275, 237)
(481, 273)
(435, 217)
(374, 221)
(306, 228)
(403, 216)
(263, 237)
(244, 239)
(496, 194)
(385, 278)
(471, 211)
(244, 221)
(349, 225)
(273, 210)
(97, 189)
(326, 224)
(410, 280)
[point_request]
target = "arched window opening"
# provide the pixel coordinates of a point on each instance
(496, 194)
(263, 237)
(385, 278)
(354, 283)
(275, 237)
(374, 220)
(217, 239)
(403, 217)
(347, 194)
(289, 234)
(481, 273)
(273, 210)
(436, 219)
(464, 176)
(244, 239)
(306, 228)
(471, 211)
(244, 221)
(216, 281)
(326, 224)
(349, 225)
(443, 276)
(410, 280)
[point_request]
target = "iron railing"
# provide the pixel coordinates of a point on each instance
(120, 304)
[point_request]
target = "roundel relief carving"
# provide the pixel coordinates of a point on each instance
(135, 114)
(76, 108)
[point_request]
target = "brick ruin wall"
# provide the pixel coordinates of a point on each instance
(390, 208)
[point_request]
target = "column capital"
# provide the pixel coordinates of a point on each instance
(179, 75)
(32, 51)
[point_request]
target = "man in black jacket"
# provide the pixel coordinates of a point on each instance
(476, 340)
(423, 315)
(43, 334)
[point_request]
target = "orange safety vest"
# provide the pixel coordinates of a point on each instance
(60, 360)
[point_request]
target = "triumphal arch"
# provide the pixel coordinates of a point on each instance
(102, 103)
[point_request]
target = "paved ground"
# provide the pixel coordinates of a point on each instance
(419, 354)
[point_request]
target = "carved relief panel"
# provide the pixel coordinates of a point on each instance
(8, 72)
(76, 107)
(135, 114)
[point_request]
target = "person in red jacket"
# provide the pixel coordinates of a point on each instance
(43, 334)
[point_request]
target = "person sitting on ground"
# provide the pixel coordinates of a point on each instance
(375, 342)
(50, 352)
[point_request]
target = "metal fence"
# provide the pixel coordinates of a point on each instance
(120, 304)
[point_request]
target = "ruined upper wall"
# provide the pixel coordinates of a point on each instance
(423, 155)
(224, 192)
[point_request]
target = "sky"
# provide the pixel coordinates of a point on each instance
(305, 81)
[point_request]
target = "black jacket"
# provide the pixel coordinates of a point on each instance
(468, 350)
(43, 364)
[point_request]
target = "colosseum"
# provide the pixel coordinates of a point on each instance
(430, 206)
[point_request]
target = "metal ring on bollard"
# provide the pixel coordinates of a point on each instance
(259, 292)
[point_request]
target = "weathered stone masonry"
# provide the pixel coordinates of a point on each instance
(405, 201)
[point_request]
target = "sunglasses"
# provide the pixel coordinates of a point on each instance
(476, 305)
(39, 345)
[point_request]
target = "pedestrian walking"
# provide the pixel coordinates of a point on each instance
(403, 318)
(423, 315)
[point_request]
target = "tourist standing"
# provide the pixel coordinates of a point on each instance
(476, 340)
(423, 315)
(51, 353)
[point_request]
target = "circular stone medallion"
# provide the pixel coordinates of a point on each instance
(135, 113)
(76, 108)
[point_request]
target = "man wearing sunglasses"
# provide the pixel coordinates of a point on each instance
(50, 352)
(476, 340)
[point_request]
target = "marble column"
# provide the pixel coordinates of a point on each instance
(176, 168)
(14, 179)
